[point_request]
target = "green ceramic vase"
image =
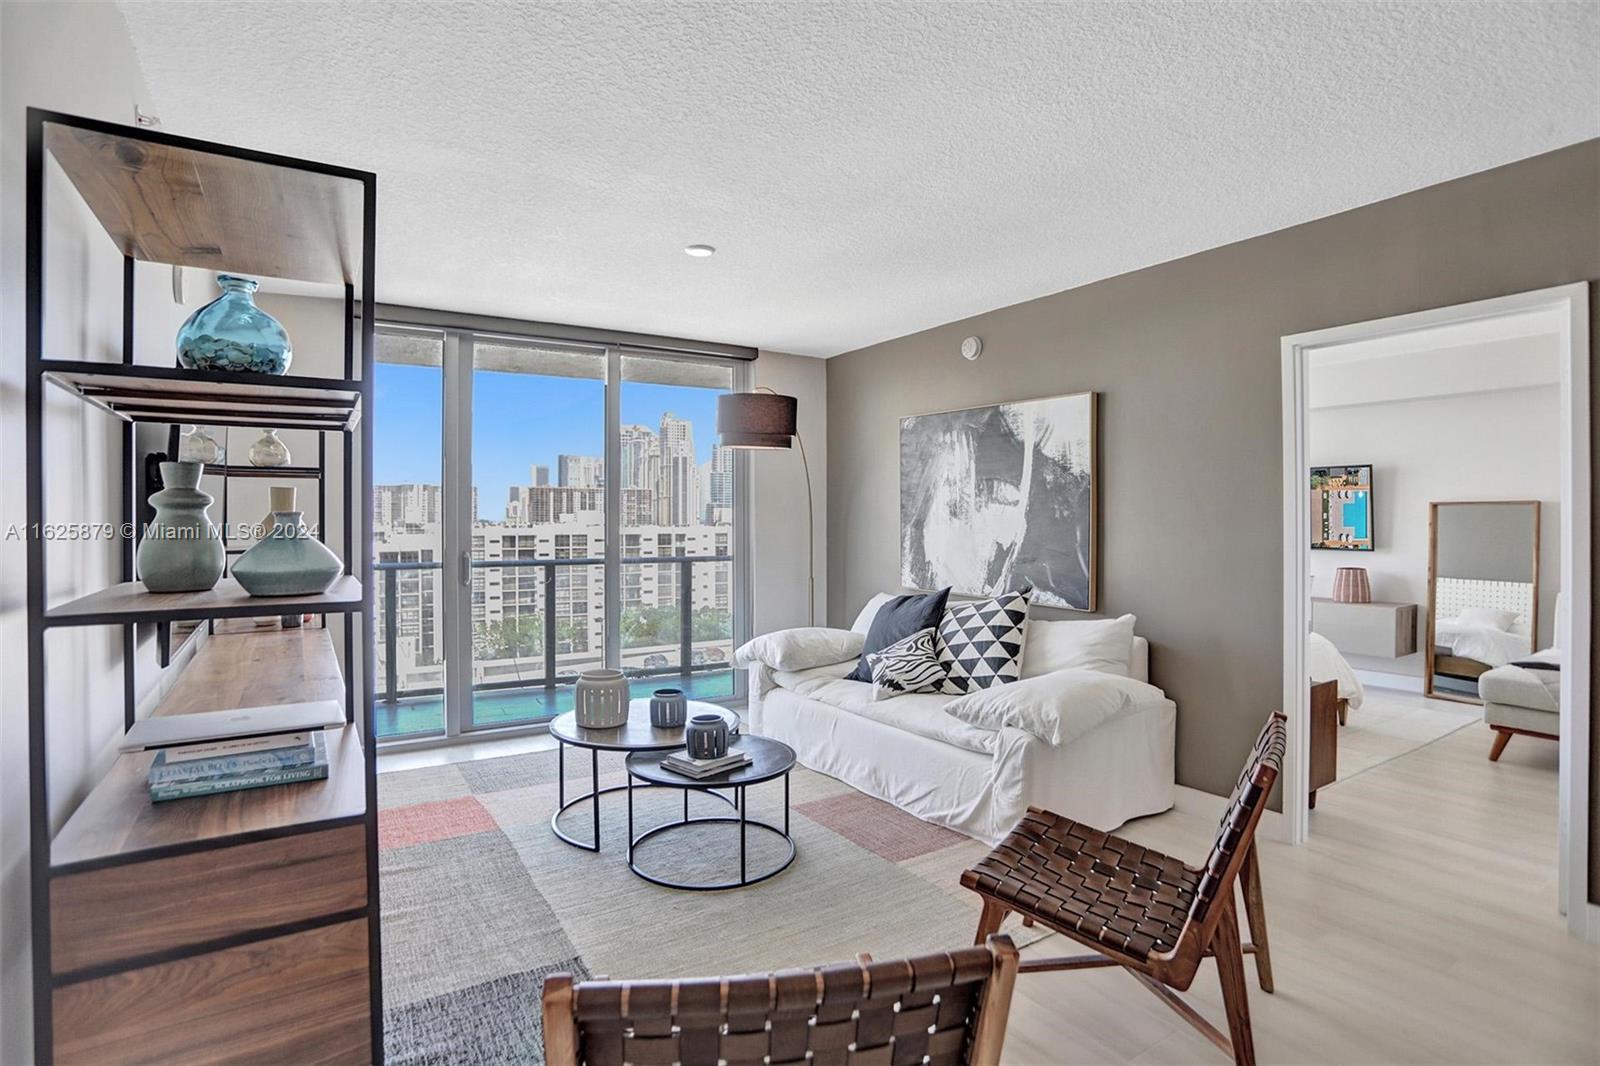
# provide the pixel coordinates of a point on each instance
(289, 561)
(181, 550)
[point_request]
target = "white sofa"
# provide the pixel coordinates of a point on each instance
(1108, 768)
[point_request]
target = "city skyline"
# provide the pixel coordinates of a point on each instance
(508, 440)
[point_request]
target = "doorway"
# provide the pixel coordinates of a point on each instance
(1566, 310)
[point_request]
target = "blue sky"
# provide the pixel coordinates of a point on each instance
(518, 420)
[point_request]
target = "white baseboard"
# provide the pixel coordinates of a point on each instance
(1395, 682)
(1208, 807)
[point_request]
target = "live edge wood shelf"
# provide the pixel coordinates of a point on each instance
(242, 926)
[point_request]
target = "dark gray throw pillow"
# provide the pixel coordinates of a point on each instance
(896, 620)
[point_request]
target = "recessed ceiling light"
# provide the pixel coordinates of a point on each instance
(700, 251)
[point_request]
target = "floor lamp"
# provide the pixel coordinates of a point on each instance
(764, 420)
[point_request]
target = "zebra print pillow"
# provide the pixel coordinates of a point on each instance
(909, 665)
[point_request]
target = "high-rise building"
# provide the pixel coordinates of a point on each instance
(641, 457)
(720, 491)
(399, 506)
(538, 475)
(678, 492)
(579, 472)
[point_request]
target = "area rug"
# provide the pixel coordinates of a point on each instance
(480, 901)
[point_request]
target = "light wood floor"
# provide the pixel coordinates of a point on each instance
(1418, 925)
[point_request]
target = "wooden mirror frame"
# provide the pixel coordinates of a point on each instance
(1433, 574)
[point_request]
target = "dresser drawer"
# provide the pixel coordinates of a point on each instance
(103, 916)
(299, 999)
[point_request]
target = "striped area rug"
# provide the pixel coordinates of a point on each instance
(481, 901)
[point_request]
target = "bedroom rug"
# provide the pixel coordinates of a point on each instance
(480, 901)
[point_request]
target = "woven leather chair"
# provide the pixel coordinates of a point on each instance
(1140, 909)
(939, 1009)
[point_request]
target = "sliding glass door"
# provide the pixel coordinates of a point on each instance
(586, 517)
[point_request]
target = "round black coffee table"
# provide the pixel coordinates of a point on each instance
(769, 760)
(637, 735)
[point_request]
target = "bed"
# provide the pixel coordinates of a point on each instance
(1325, 663)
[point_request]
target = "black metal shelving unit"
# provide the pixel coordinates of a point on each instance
(187, 202)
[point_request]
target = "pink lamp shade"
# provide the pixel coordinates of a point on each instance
(1350, 585)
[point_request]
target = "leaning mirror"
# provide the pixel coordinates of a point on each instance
(1483, 591)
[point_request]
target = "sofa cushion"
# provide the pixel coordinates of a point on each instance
(898, 618)
(1103, 644)
(800, 649)
(1057, 708)
(910, 665)
(980, 644)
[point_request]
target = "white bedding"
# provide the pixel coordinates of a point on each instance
(1486, 644)
(1326, 664)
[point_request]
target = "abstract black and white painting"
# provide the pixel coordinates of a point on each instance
(993, 498)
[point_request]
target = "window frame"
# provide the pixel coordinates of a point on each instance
(456, 587)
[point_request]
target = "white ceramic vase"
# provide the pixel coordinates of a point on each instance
(601, 699)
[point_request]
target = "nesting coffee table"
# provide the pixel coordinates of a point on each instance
(769, 761)
(638, 735)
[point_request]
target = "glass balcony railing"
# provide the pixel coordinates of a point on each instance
(531, 638)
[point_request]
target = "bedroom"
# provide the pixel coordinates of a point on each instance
(1435, 558)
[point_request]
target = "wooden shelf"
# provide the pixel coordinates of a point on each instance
(130, 601)
(242, 666)
(117, 820)
(229, 470)
(169, 199)
(172, 395)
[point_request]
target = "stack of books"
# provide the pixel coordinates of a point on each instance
(238, 763)
(680, 763)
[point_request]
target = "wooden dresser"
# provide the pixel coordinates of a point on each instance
(225, 928)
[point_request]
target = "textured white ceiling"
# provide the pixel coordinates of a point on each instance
(865, 169)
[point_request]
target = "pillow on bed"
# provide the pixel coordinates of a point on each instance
(1103, 644)
(1057, 708)
(909, 665)
(897, 618)
(800, 649)
(1488, 616)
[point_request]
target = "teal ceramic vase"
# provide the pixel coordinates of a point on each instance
(181, 550)
(232, 333)
(288, 561)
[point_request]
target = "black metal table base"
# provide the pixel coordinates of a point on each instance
(592, 797)
(743, 821)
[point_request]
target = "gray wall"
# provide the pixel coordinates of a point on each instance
(1186, 355)
(77, 58)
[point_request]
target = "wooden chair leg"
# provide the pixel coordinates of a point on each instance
(1235, 986)
(989, 921)
(1501, 739)
(1255, 912)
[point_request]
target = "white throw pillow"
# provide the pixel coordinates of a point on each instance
(863, 622)
(1103, 644)
(909, 665)
(1057, 708)
(801, 649)
(1488, 616)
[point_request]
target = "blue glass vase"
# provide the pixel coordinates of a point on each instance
(232, 333)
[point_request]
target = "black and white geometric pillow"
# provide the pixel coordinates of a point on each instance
(980, 644)
(909, 665)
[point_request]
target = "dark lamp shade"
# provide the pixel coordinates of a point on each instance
(756, 420)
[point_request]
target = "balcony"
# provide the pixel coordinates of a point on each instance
(534, 621)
